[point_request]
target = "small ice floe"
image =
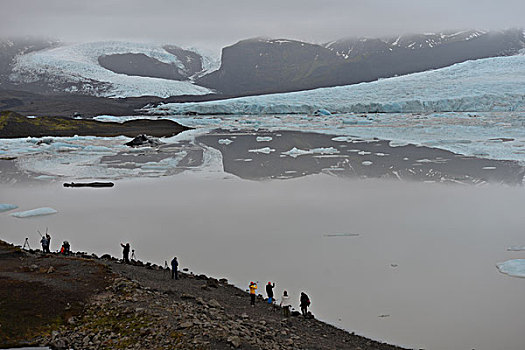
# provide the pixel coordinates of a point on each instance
(34, 212)
(516, 248)
(367, 162)
(342, 139)
(31, 117)
(515, 268)
(263, 138)
(7, 207)
(322, 111)
(45, 177)
(224, 141)
(363, 153)
(265, 150)
(398, 143)
(379, 154)
(341, 234)
(489, 168)
(295, 152)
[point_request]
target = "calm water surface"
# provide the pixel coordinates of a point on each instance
(419, 270)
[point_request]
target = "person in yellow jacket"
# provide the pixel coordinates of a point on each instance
(253, 289)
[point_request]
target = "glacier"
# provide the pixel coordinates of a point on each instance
(485, 85)
(77, 64)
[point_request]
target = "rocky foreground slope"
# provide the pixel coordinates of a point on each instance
(85, 302)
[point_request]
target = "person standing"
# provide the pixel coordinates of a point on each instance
(125, 252)
(253, 289)
(305, 302)
(285, 304)
(174, 269)
(48, 237)
(269, 291)
(45, 245)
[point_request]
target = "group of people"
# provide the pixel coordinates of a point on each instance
(174, 263)
(304, 300)
(46, 242)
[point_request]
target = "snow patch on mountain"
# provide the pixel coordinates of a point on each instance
(76, 66)
(492, 84)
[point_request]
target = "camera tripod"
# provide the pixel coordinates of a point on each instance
(26, 244)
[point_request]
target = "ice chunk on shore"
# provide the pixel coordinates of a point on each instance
(34, 212)
(7, 207)
(515, 268)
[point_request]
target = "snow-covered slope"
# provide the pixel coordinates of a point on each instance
(492, 84)
(75, 68)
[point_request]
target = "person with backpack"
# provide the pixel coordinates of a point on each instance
(285, 304)
(253, 289)
(269, 291)
(174, 269)
(45, 244)
(305, 302)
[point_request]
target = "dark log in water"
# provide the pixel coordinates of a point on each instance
(89, 184)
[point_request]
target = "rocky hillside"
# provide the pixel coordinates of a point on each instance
(139, 64)
(118, 306)
(263, 66)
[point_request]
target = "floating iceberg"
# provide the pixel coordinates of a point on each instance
(224, 141)
(295, 152)
(514, 267)
(7, 207)
(491, 84)
(34, 212)
(265, 150)
(517, 248)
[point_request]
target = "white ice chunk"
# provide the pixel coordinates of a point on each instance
(517, 248)
(265, 150)
(7, 207)
(367, 162)
(263, 138)
(224, 141)
(514, 267)
(295, 152)
(34, 212)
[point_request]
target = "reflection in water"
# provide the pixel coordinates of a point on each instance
(423, 254)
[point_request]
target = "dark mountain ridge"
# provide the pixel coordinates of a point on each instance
(264, 66)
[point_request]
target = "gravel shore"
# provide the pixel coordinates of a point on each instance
(85, 302)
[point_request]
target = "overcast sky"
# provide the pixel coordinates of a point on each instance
(216, 23)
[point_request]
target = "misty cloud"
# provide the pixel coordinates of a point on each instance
(218, 23)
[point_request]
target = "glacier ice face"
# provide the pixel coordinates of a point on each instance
(78, 64)
(34, 212)
(492, 84)
(7, 207)
(515, 268)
